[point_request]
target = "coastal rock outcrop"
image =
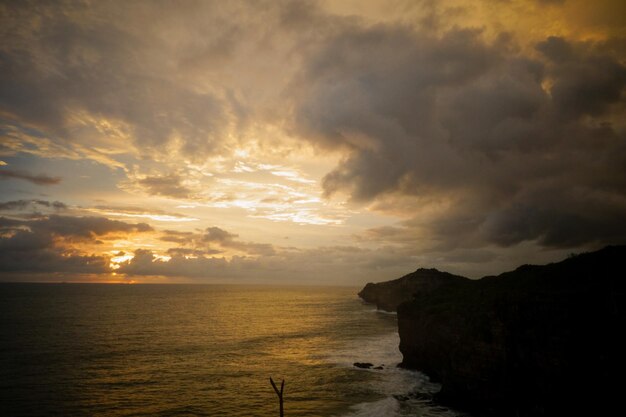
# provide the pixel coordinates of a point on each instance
(536, 341)
(363, 365)
(388, 295)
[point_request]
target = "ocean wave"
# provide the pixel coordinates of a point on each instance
(386, 407)
(378, 311)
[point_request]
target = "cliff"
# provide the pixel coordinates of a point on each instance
(388, 295)
(537, 341)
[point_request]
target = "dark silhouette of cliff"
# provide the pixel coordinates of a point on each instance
(388, 295)
(536, 341)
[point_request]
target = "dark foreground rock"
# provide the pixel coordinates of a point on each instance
(537, 341)
(388, 295)
(363, 365)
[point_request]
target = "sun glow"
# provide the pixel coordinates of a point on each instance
(118, 258)
(155, 217)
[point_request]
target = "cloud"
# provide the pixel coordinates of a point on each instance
(170, 82)
(520, 145)
(211, 236)
(67, 67)
(40, 179)
(19, 205)
(167, 186)
(325, 265)
(87, 227)
(182, 238)
(145, 263)
(215, 234)
(228, 240)
(585, 81)
(46, 244)
(314, 266)
(472, 138)
(186, 252)
(140, 212)
(69, 227)
(49, 261)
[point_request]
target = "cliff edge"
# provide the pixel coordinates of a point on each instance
(536, 341)
(388, 295)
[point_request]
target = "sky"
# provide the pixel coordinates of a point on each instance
(307, 142)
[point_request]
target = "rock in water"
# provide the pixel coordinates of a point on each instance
(363, 365)
(537, 341)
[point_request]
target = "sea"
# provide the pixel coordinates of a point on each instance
(201, 350)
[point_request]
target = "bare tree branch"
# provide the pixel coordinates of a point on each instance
(280, 394)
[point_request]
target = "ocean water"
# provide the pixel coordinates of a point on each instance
(206, 350)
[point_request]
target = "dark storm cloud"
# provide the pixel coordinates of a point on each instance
(586, 82)
(215, 234)
(520, 147)
(18, 205)
(35, 250)
(86, 227)
(375, 92)
(50, 261)
(36, 245)
(585, 218)
(77, 227)
(40, 179)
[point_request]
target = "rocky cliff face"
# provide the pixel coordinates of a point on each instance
(388, 295)
(537, 341)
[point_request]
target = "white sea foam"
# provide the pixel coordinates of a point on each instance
(378, 350)
(377, 311)
(396, 385)
(386, 407)
(391, 381)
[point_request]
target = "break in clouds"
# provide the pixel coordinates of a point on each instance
(44, 243)
(53, 243)
(475, 137)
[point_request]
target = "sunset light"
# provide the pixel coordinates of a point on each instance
(386, 208)
(468, 137)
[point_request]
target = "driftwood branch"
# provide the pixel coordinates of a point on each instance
(280, 394)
